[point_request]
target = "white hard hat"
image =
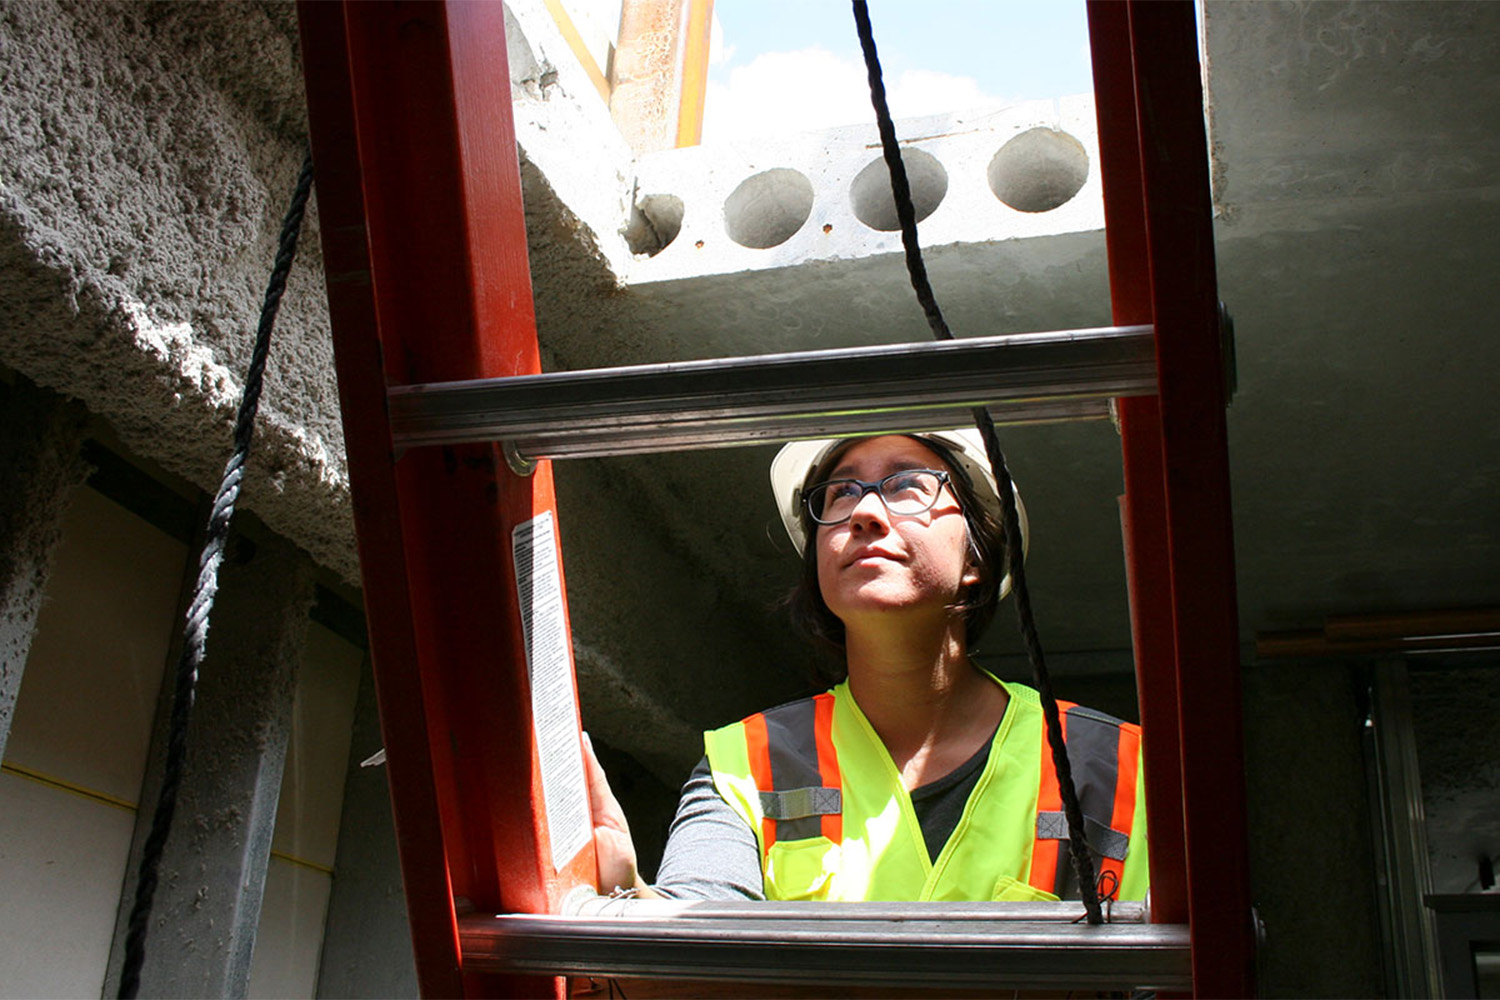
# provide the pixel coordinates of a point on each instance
(797, 460)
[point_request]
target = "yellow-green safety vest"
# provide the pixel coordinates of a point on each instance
(834, 822)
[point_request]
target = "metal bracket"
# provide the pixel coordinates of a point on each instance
(519, 464)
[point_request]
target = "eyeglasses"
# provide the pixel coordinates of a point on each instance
(910, 491)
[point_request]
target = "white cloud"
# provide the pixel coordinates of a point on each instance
(809, 89)
(927, 92)
(779, 92)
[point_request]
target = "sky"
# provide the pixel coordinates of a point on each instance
(794, 65)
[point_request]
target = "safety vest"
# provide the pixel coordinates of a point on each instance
(834, 822)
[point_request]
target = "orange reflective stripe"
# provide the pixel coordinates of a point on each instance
(1124, 815)
(1044, 852)
(759, 749)
(828, 763)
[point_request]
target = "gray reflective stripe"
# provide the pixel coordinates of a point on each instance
(791, 737)
(798, 803)
(1102, 839)
(1080, 712)
(1094, 753)
(1051, 826)
(1108, 842)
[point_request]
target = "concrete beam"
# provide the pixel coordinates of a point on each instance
(40, 435)
(207, 905)
(981, 177)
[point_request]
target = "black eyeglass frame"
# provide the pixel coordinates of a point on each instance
(866, 488)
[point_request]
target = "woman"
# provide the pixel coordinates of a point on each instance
(919, 776)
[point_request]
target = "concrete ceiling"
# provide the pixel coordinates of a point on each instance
(1356, 148)
(1356, 153)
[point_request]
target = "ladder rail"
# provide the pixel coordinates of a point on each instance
(1128, 911)
(325, 35)
(924, 386)
(1177, 505)
(821, 943)
(1143, 503)
(655, 438)
(424, 237)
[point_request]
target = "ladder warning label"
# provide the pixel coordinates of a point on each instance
(554, 711)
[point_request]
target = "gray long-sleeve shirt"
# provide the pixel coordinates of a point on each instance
(711, 853)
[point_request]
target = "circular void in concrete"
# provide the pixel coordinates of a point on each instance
(655, 221)
(1039, 170)
(870, 191)
(768, 208)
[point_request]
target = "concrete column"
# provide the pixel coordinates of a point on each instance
(367, 950)
(40, 465)
(207, 905)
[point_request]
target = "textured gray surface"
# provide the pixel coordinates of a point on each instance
(1458, 750)
(150, 151)
(41, 467)
(206, 909)
(1356, 149)
(150, 147)
(1311, 867)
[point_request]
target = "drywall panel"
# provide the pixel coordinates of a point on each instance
(83, 719)
(312, 784)
(92, 678)
(290, 937)
(62, 859)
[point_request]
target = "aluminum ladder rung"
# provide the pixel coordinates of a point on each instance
(944, 945)
(1062, 375)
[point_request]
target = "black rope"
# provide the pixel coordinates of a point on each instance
(195, 631)
(1083, 864)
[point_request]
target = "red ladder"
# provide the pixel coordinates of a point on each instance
(425, 252)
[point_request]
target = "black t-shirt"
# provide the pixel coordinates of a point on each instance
(939, 804)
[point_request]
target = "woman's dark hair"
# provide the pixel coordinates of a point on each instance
(812, 617)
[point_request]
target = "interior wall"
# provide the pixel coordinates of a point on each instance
(367, 950)
(77, 750)
(77, 755)
(1458, 750)
(299, 881)
(1312, 865)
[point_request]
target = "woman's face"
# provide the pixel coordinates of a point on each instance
(878, 561)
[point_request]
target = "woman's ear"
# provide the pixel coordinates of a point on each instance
(972, 576)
